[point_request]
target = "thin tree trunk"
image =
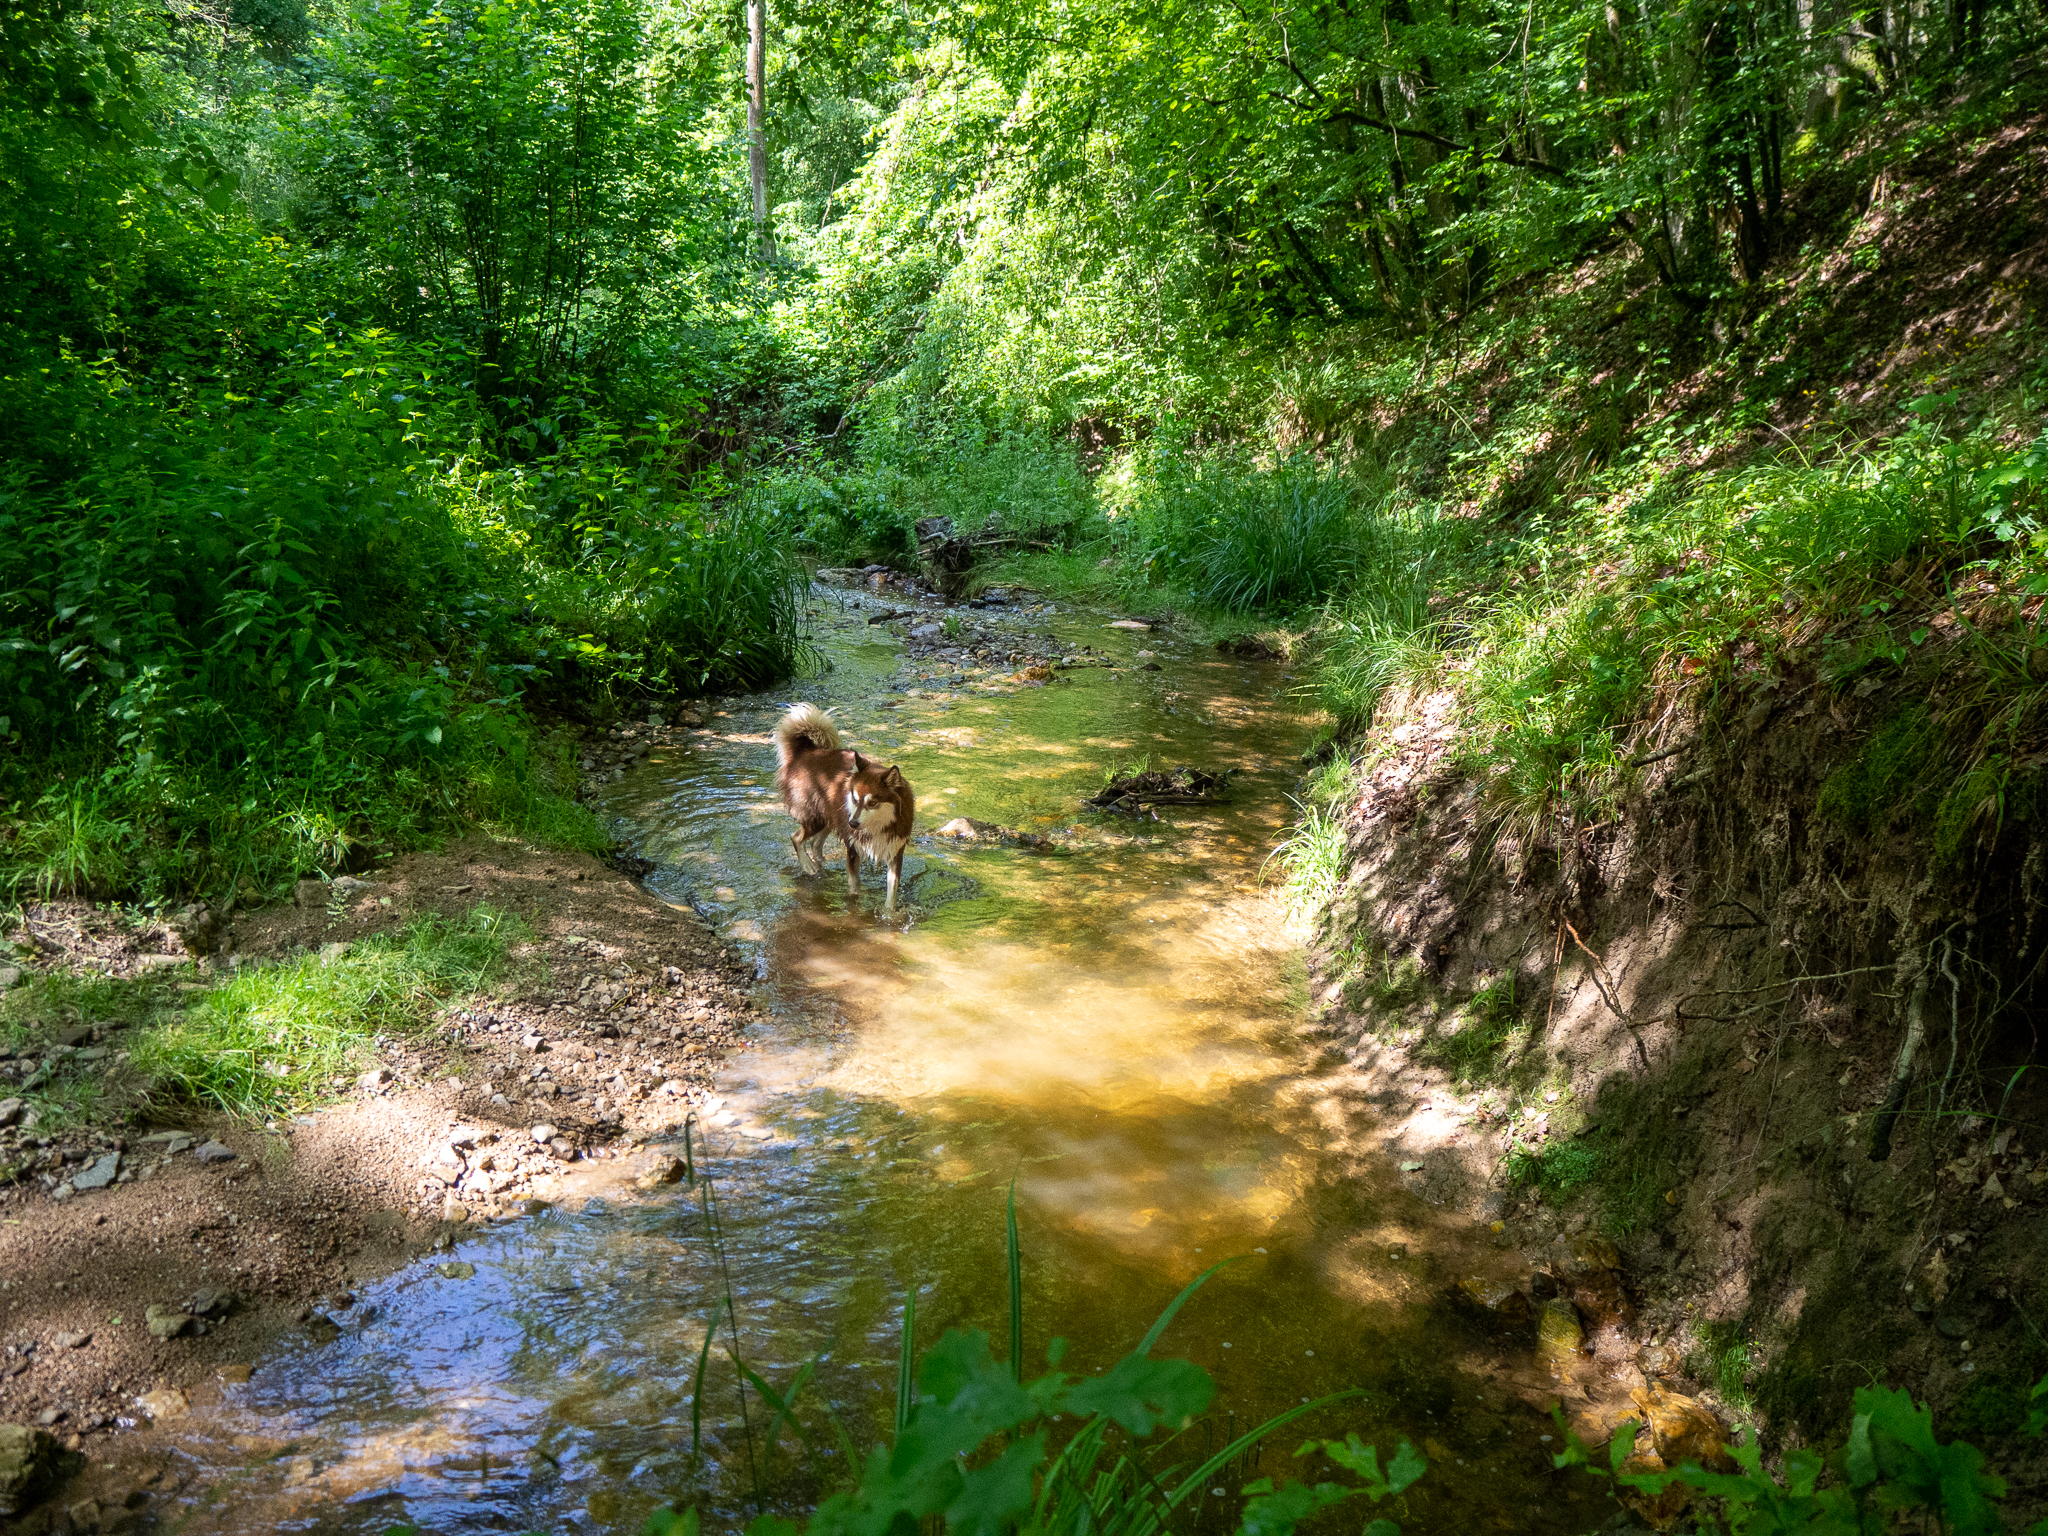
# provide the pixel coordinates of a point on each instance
(757, 121)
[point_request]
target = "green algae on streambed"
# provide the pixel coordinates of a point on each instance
(1118, 1026)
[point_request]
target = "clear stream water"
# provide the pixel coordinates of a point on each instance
(1120, 1026)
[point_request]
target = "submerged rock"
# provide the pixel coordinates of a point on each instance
(1559, 1332)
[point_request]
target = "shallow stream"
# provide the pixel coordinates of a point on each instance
(1119, 1025)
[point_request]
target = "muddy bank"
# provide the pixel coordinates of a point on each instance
(603, 1034)
(1686, 1030)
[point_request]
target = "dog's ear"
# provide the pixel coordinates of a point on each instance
(893, 776)
(860, 764)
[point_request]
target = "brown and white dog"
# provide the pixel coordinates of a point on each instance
(829, 788)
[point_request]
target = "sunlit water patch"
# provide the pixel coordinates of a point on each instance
(1117, 1027)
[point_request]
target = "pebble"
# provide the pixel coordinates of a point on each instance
(455, 1269)
(164, 1403)
(211, 1152)
(375, 1078)
(544, 1133)
(71, 1340)
(10, 1111)
(168, 1323)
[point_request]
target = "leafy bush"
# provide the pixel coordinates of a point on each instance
(1239, 536)
(1891, 1465)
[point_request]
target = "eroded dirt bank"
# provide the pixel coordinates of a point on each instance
(1685, 1029)
(612, 1013)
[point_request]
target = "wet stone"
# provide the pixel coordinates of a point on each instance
(164, 1403)
(455, 1269)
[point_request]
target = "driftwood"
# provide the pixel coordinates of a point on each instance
(1132, 794)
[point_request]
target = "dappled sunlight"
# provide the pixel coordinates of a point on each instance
(1114, 1028)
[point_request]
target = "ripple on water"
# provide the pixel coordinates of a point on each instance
(1119, 1027)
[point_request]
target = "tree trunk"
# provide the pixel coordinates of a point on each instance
(757, 121)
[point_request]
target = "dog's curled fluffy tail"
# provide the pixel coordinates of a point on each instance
(806, 728)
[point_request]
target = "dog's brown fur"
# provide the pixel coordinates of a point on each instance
(831, 789)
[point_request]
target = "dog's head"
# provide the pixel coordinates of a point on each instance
(872, 795)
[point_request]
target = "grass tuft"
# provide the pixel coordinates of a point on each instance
(279, 1037)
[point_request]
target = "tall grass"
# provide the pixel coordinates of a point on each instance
(1566, 672)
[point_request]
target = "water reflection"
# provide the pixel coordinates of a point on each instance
(1118, 1027)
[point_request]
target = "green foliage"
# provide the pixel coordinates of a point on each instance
(1865, 791)
(1313, 854)
(1893, 1464)
(1010, 490)
(973, 1453)
(1470, 1048)
(279, 1037)
(1238, 536)
(1560, 1169)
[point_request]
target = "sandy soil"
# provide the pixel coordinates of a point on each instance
(617, 1013)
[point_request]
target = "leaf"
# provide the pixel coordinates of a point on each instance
(993, 1495)
(1141, 1394)
(1276, 1513)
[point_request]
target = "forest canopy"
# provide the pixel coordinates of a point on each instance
(384, 380)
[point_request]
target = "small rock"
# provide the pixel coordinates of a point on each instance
(340, 1301)
(10, 1111)
(756, 1132)
(211, 1152)
(544, 1134)
(453, 1209)
(455, 1269)
(99, 1173)
(235, 1373)
(168, 1323)
(71, 1340)
(464, 1136)
(446, 1157)
(374, 1079)
(310, 893)
(663, 1170)
(333, 950)
(10, 977)
(563, 1149)
(534, 1043)
(210, 1301)
(968, 829)
(63, 1191)
(163, 1403)
(49, 1416)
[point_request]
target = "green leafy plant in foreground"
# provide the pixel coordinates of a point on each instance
(1892, 1465)
(973, 1446)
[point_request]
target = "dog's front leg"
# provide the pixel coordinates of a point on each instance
(895, 874)
(852, 870)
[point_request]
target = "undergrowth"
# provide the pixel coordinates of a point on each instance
(275, 1038)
